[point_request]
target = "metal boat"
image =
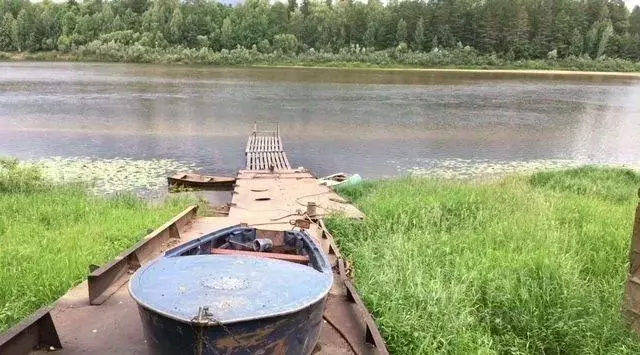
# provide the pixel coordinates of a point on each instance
(235, 291)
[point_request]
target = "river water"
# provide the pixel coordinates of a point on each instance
(375, 123)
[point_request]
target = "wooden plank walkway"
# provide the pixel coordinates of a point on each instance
(264, 152)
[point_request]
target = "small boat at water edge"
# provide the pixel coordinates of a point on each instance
(201, 181)
(238, 290)
(340, 179)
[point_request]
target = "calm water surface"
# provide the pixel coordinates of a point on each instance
(376, 123)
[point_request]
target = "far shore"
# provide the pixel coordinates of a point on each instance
(340, 65)
(461, 70)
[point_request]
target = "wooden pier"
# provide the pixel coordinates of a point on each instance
(278, 199)
(265, 152)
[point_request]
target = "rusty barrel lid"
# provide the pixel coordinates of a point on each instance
(234, 288)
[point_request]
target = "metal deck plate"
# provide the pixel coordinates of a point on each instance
(235, 288)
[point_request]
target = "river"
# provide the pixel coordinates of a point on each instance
(375, 123)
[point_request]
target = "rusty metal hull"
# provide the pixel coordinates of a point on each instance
(292, 334)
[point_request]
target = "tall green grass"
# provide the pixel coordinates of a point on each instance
(527, 265)
(50, 234)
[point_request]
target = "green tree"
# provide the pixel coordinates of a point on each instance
(161, 13)
(634, 21)
(69, 23)
(24, 31)
(418, 37)
(370, 35)
(226, 34)
(597, 11)
(296, 24)
(6, 35)
(292, 6)
(278, 18)
(401, 31)
(107, 19)
(47, 29)
(175, 27)
(287, 43)
(619, 16)
(118, 25)
(577, 43)
(606, 31)
(304, 8)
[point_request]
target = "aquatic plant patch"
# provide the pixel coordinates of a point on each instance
(484, 168)
(108, 176)
(523, 265)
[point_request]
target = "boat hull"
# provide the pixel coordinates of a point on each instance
(222, 184)
(290, 334)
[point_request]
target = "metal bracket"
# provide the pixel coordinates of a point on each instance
(35, 332)
(107, 279)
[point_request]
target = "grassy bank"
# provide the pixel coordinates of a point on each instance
(526, 265)
(50, 235)
(98, 51)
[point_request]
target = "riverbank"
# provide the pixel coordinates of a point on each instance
(52, 233)
(454, 60)
(529, 264)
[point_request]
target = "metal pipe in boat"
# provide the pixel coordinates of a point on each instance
(262, 244)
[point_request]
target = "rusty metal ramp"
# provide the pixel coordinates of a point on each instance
(106, 321)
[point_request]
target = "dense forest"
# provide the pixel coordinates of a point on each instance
(496, 30)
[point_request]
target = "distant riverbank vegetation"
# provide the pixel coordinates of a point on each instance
(590, 35)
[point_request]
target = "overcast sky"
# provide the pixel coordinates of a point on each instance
(632, 3)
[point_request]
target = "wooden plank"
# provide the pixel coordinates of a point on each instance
(286, 161)
(281, 162)
(299, 259)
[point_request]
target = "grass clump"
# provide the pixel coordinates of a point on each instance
(526, 265)
(51, 233)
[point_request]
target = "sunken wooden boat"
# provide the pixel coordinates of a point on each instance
(238, 290)
(201, 181)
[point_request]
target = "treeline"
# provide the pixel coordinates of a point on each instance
(500, 29)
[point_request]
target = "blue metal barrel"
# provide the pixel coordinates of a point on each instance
(227, 304)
